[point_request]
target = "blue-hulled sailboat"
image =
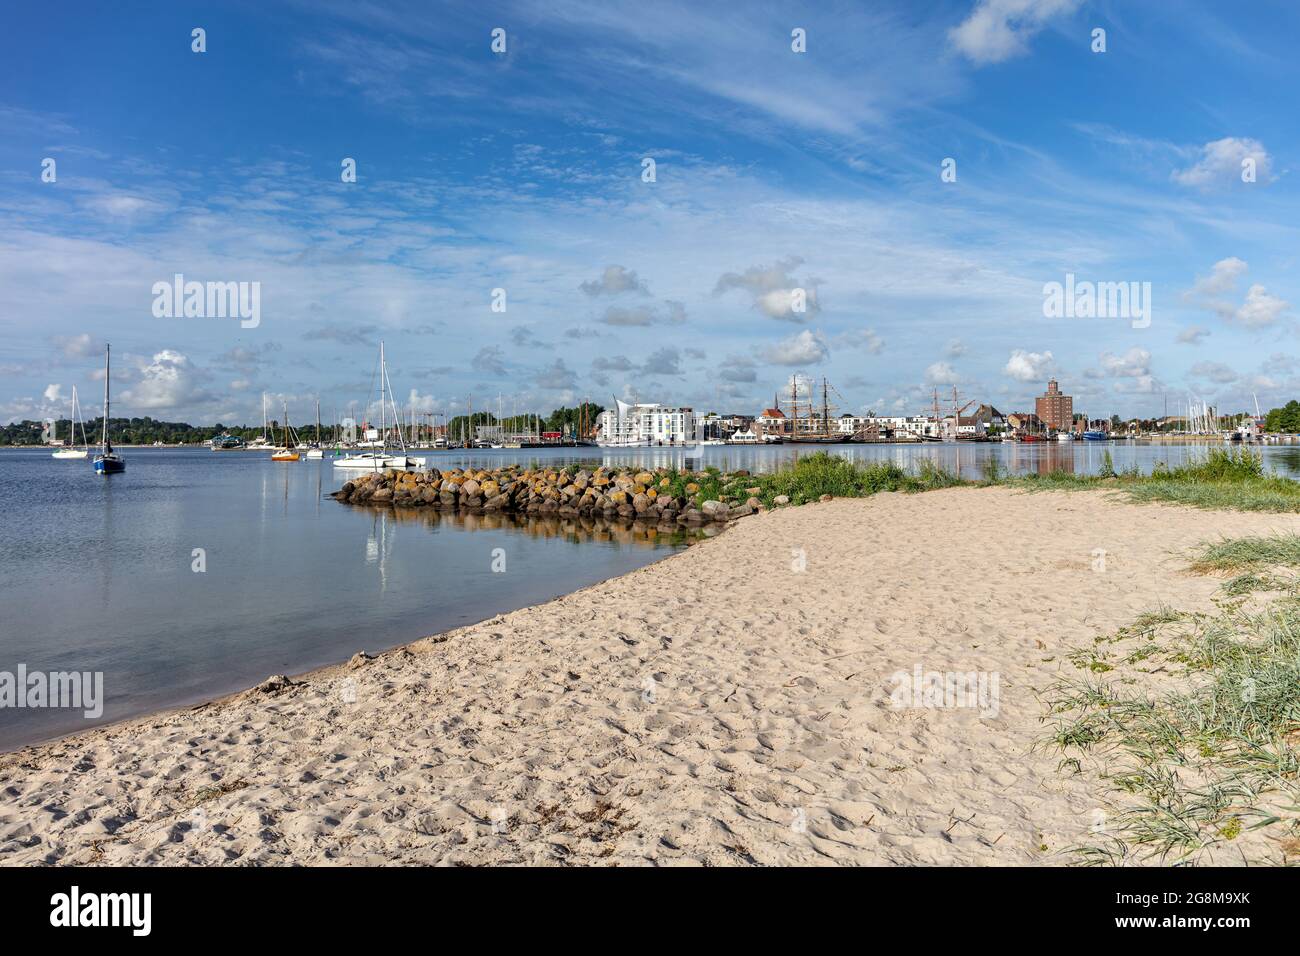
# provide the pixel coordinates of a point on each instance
(107, 462)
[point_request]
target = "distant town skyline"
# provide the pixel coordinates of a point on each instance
(685, 203)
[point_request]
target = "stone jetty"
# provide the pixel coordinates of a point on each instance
(661, 495)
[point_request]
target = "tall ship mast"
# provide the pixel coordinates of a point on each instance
(817, 418)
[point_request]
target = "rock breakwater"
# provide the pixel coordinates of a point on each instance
(659, 495)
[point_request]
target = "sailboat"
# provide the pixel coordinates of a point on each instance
(262, 442)
(107, 462)
(379, 457)
(316, 451)
(287, 452)
(72, 451)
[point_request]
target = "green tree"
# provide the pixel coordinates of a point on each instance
(1284, 419)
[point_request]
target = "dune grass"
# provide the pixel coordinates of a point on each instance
(1194, 765)
(1223, 480)
(808, 478)
(1250, 554)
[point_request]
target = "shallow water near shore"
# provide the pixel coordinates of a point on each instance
(97, 574)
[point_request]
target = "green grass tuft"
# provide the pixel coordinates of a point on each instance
(810, 477)
(1223, 479)
(1197, 766)
(1250, 554)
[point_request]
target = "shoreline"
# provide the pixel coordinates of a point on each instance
(690, 537)
(683, 712)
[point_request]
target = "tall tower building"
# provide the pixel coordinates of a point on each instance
(1054, 409)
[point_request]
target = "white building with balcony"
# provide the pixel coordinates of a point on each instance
(646, 424)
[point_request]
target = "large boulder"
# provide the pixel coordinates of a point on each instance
(715, 510)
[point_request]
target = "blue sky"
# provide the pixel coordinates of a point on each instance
(775, 170)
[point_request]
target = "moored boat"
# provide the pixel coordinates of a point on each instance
(226, 443)
(74, 419)
(380, 458)
(288, 451)
(107, 462)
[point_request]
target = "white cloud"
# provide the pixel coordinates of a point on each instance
(615, 280)
(1220, 163)
(1261, 308)
(674, 313)
(941, 373)
(1192, 335)
(1215, 372)
(77, 346)
(54, 393)
(998, 30)
(1135, 363)
(1222, 278)
(773, 289)
(167, 381)
(806, 348)
(1026, 366)
(865, 339)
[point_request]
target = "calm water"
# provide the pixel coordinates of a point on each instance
(96, 573)
(1078, 457)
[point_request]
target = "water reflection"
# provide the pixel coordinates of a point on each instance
(970, 459)
(96, 574)
(573, 528)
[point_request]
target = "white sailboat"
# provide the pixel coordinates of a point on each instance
(72, 451)
(263, 442)
(380, 458)
(315, 450)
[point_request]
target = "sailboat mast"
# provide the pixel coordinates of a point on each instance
(383, 420)
(794, 402)
(108, 351)
(826, 417)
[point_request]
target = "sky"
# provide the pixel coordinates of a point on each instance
(520, 179)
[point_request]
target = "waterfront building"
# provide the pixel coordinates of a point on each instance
(772, 422)
(646, 424)
(990, 417)
(1054, 409)
(1025, 422)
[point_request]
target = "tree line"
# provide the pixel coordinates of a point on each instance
(146, 430)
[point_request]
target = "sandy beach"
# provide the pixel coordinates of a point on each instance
(729, 705)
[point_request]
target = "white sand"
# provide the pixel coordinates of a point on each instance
(532, 737)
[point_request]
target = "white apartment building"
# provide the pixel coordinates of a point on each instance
(646, 424)
(919, 425)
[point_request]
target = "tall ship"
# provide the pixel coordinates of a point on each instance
(812, 422)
